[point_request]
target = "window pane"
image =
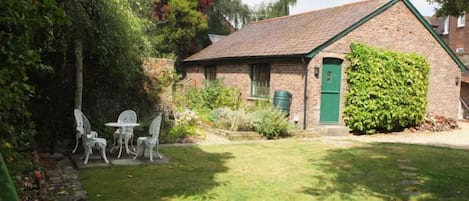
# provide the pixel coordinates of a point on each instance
(260, 75)
(462, 20)
(210, 72)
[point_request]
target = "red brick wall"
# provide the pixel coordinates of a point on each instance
(457, 35)
(397, 29)
(195, 76)
(290, 77)
(284, 76)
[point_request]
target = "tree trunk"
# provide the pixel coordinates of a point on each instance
(78, 73)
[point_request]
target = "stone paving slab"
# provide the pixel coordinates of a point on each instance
(403, 160)
(408, 168)
(412, 174)
(95, 160)
(411, 182)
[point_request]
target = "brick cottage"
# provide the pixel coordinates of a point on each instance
(276, 54)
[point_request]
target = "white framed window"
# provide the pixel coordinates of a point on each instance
(462, 20)
(460, 50)
(446, 26)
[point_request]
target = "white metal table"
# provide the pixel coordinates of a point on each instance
(122, 135)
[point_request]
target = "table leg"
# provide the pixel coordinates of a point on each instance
(127, 138)
(120, 145)
(114, 144)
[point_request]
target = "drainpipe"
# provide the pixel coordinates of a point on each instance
(305, 60)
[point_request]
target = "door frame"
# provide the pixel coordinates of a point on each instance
(335, 62)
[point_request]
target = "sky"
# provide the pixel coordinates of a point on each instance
(308, 5)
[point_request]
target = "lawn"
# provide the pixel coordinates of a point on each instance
(288, 170)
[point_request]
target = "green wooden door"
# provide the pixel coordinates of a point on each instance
(330, 91)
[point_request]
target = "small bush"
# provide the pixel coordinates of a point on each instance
(186, 123)
(270, 122)
(212, 96)
(238, 120)
(180, 131)
(186, 118)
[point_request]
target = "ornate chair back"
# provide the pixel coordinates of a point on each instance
(128, 116)
(80, 123)
(83, 124)
(155, 126)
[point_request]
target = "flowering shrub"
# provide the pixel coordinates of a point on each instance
(186, 118)
(270, 122)
(185, 124)
(238, 120)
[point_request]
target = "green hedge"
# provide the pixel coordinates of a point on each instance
(387, 90)
(8, 192)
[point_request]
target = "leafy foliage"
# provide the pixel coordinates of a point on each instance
(234, 11)
(115, 41)
(273, 9)
(270, 122)
(387, 90)
(176, 33)
(238, 120)
(450, 7)
(264, 119)
(19, 22)
(112, 34)
(25, 29)
(186, 123)
(155, 85)
(212, 96)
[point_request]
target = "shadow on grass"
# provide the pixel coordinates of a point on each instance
(190, 175)
(378, 172)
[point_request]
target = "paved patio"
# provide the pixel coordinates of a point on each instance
(458, 139)
(126, 159)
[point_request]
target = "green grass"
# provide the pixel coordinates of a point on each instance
(286, 170)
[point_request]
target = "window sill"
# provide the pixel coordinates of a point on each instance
(250, 98)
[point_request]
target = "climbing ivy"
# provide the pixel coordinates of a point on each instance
(387, 90)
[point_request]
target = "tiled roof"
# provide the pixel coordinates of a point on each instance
(290, 35)
(437, 23)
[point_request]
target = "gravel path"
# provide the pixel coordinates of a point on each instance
(454, 139)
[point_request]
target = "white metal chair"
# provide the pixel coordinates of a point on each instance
(89, 138)
(127, 116)
(150, 141)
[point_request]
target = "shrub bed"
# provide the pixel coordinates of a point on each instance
(387, 90)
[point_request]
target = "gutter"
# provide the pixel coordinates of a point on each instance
(305, 60)
(293, 57)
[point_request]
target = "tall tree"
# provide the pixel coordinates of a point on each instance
(81, 29)
(450, 7)
(274, 9)
(235, 11)
(108, 33)
(177, 24)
